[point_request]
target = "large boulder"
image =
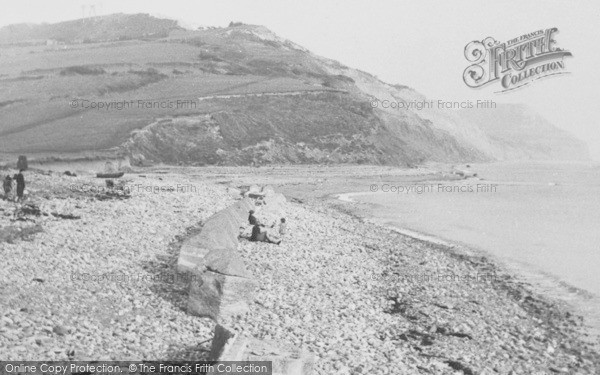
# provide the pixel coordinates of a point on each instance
(222, 286)
(275, 200)
(219, 296)
(227, 345)
(220, 232)
(273, 208)
(223, 339)
(192, 253)
(241, 209)
(226, 262)
(267, 190)
(234, 192)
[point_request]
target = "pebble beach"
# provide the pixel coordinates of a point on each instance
(98, 281)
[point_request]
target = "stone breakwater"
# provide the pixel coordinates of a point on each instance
(221, 287)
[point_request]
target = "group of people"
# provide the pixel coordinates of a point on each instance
(260, 232)
(7, 184)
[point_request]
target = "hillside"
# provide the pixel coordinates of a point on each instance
(235, 95)
(89, 30)
(517, 132)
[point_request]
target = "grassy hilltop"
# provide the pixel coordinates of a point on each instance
(235, 95)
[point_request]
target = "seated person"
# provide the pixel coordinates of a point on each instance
(259, 234)
(282, 227)
(256, 235)
(251, 218)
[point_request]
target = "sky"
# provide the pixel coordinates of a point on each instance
(415, 43)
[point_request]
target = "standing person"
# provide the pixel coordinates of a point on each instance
(20, 185)
(7, 185)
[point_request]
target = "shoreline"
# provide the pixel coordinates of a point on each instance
(538, 281)
(358, 302)
(542, 311)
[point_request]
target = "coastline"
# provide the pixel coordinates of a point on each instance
(513, 296)
(542, 284)
(580, 300)
(370, 301)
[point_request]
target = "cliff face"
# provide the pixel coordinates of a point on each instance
(508, 132)
(517, 132)
(252, 98)
(324, 128)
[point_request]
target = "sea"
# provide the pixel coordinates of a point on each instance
(540, 220)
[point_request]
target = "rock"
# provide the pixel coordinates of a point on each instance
(233, 192)
(268, 190)
(43, 340)
(221, 337)
(28, 209)
(226, 262)
(241, 208)
(273, 208)
(285, 359)
(220, 231)
(60, 330)
(560, 370)
(219, 296)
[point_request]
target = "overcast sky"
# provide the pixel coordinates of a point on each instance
(416, 43)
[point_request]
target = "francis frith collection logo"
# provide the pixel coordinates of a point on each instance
(514, 63)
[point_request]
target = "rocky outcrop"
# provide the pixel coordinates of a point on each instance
(326, 128)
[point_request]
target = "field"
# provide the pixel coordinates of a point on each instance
(234, 95)
(36, 110)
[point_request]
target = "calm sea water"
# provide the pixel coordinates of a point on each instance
(541, 219)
